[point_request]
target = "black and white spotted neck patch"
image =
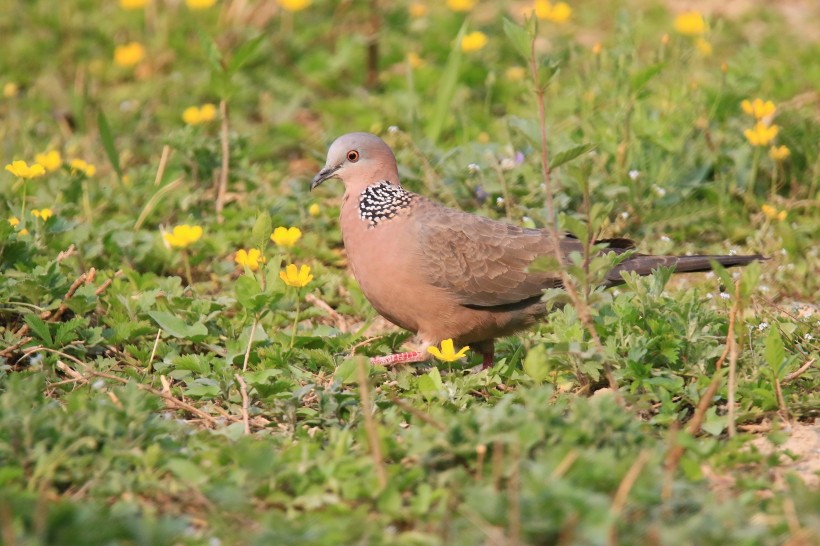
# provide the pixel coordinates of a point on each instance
(382, 201)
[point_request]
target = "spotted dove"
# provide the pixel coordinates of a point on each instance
(442, 273)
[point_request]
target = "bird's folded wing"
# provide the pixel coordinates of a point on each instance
(479, 261)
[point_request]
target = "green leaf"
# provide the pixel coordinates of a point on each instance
(714, 423)
(774, 351)
(447, 89)
(536, 364)
(247, 289)
(643, 77)
(212, 53)
(346, 372)
(262, 229)
(519, 38)
(244, 53)
(108, 142)
(430, 385)
(40, 329)
(566, 156)
(177, 327)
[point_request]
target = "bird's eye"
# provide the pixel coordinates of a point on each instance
(353, 156)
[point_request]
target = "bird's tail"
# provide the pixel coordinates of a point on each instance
(644, 264)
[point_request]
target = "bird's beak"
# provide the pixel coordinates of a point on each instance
(324, 174)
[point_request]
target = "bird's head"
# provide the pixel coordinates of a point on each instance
(358, 160)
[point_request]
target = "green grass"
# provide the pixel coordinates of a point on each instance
(124, 362)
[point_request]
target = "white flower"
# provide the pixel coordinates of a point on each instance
(809, 337)
(473, 168)
(634, 174)
(499, 201)
(762, 326)
(709, 296)
(665, 239)
(507, 164)
(659, 191)
(393, 129)
(725, 295)
(624, 215)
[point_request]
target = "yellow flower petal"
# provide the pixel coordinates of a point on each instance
(447, 352)
(50, 160)
(286, 237)
(183, 235)
(690, 23)
(779, 153)
(293, 5)
(129, 54)
(473, 41)
(199, 4)
(559, 12)
(296, 277)
(21, 169)
(133, 4)
(461, 5)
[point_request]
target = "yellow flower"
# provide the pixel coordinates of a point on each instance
(293, 5)
(296, 277)
(703, 47)
(473, 41)
(417, 10)
(515, 73)
(286, 237)
(50, 160)
(249, 258)
(314, 210)
(772, 213)
(21, 169)
(14, 222)
(42, 214)
(461, 5)
(10, 90)
(81, 166)
(447, 352)
(183, 235)
(761, 134)
(559, 12)
(690, 23)
(414, 60)
(195, 115)
(129, 54)
(133, 4)
(596, 49)
(199, 4)
(779, 153)
(759, 108)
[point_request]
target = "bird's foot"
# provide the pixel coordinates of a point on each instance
(400, 358)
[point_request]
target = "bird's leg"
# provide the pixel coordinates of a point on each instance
(400, 358)
(403, 358)
(487, 350)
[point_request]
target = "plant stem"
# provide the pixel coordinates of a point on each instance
(187, 265)
(250, 343)
(750, 187)
(23, 205)
(87, 203)
(295, 322)
(226, 160)
(581, 307)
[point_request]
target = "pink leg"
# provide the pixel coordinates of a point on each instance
(487, 350)
(400, 358)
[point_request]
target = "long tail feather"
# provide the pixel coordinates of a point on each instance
(644, 265)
